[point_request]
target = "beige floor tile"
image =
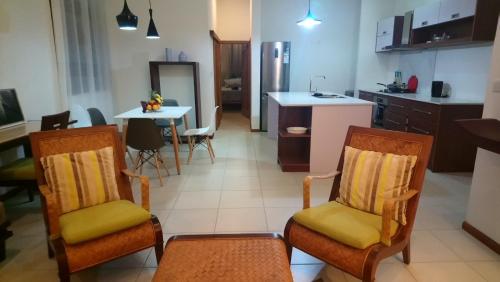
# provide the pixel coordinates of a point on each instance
(467, 247)
(30, 275)
(306, 273)
(444, 272)
(278, 182)
(214, 180)
(241, 199)
(198, 200)
(278, 217)
(162, 199)
(290, 197)
(437, 218)
(146, 275)
(136, 260)
(191, 221)
(241, 220)
(299, 257)
(112, 275)
(392, 272)
(241, 183)
(427, 248)
(489, 270)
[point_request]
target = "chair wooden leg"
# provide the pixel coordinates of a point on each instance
(49, 248)
(210, 146)
(190, 141)
(162, 162)
(157, 166)
(207, 141)
(407, 254)
(158, 252)
(136, 165)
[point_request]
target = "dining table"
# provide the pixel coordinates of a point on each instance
(168, 113)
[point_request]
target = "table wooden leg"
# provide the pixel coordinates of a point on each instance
(176, 145)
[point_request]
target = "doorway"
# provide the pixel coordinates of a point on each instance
(232, 88)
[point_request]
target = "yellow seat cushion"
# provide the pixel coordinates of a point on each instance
(22, 169)
(344, 224)
(100, 220)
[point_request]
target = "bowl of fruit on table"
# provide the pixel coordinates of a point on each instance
(154, 104)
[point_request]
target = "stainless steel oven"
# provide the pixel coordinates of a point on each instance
(381, 104)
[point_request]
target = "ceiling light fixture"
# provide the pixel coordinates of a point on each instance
(310, 20)
(126, 19)
(152, 32)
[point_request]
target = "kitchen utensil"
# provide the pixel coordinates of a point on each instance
(296, 130)
(412, 84)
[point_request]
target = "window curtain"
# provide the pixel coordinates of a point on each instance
(87, 65)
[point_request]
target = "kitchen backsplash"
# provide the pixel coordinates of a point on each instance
(465, 69)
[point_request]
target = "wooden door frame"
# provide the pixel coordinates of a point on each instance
(217, 42)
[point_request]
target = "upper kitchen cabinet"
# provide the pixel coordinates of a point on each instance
(455, 23)
(389, 33)
(452, 10)
(427, 15)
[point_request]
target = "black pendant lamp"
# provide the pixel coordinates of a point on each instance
(126, 19)
(152, 32)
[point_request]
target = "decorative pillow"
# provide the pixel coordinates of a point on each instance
(81, 179)
(370, 177)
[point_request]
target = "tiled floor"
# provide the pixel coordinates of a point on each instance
(245, 191)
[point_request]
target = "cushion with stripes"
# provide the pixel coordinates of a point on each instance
(368, 178)
(81, 179)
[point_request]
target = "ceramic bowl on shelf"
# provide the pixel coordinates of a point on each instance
(296, 130)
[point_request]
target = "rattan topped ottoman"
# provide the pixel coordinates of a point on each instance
(240, 257)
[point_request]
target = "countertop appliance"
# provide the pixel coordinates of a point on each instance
(274, 74)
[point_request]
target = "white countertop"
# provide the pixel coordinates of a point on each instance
(163, 113)
(427, 98)
(296, 99)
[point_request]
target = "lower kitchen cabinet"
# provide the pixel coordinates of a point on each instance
(452, 151)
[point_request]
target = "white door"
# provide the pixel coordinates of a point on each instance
(426, 15)
(456, 9)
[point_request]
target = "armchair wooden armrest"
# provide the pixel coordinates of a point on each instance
(307, 186)
(388, 210)
(144, 187)
(53, 211)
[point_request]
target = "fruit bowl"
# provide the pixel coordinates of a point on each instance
(296, 130)
(153, 105)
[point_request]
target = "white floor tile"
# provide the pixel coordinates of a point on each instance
(241, 199)
(198, 200)
(191, 221)
(444, 272)
(489, 270)
(241, 220)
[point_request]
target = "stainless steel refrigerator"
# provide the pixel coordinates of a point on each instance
(274, 74)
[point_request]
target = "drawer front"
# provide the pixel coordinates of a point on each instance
(386, 26)
(383, 42)
(456, 9)
(421, 126)
(423, 111)
(398, 106)
(426, 15)
(395, 121)
(366, 96)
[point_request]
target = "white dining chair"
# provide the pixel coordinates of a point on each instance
(202, 135)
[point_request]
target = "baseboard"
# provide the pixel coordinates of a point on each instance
(483, 238)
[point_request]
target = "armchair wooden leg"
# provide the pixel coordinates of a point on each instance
(407, 254)
(62, 260)
(49, 249)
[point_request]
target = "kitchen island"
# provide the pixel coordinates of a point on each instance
(327, 119)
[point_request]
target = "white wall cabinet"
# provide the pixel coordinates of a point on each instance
(386, 26)
(426, 15)
(389, 33)
(456, 9)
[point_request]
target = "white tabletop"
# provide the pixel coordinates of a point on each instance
(163, 113)
(293, 99)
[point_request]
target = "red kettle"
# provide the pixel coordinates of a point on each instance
(412, 84)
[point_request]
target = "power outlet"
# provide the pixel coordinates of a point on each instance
(496, 86)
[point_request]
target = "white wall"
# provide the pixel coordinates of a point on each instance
(183, 25)
(27, 56)
(467, 76)
(328, 49)
(483, 209)
(255, 13)
(233, 19)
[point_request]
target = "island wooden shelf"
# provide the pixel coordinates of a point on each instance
(485, 133)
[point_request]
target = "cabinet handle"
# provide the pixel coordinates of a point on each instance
(456, 15)
(421, 130)
(397, 106)
(384, 32)
(422, 112)
(393, 121)
(424, 23)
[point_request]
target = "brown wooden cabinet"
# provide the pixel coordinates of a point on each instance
(451, 151)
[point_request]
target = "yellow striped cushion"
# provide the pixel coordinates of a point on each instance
(82, 179)
(370, 177)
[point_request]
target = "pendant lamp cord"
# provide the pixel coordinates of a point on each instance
(150, 10)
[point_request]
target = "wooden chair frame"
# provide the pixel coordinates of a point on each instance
(363, 263)
(74, 258)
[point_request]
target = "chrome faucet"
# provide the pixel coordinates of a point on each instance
(311, 79)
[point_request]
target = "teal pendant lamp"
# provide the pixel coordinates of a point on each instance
(152, 31)
(310, 20)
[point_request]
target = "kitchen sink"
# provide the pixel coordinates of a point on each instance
(327, 96)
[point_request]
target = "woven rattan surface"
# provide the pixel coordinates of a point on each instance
(225, 259)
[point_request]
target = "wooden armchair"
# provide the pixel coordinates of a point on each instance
(362, 263)
(72, 258)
